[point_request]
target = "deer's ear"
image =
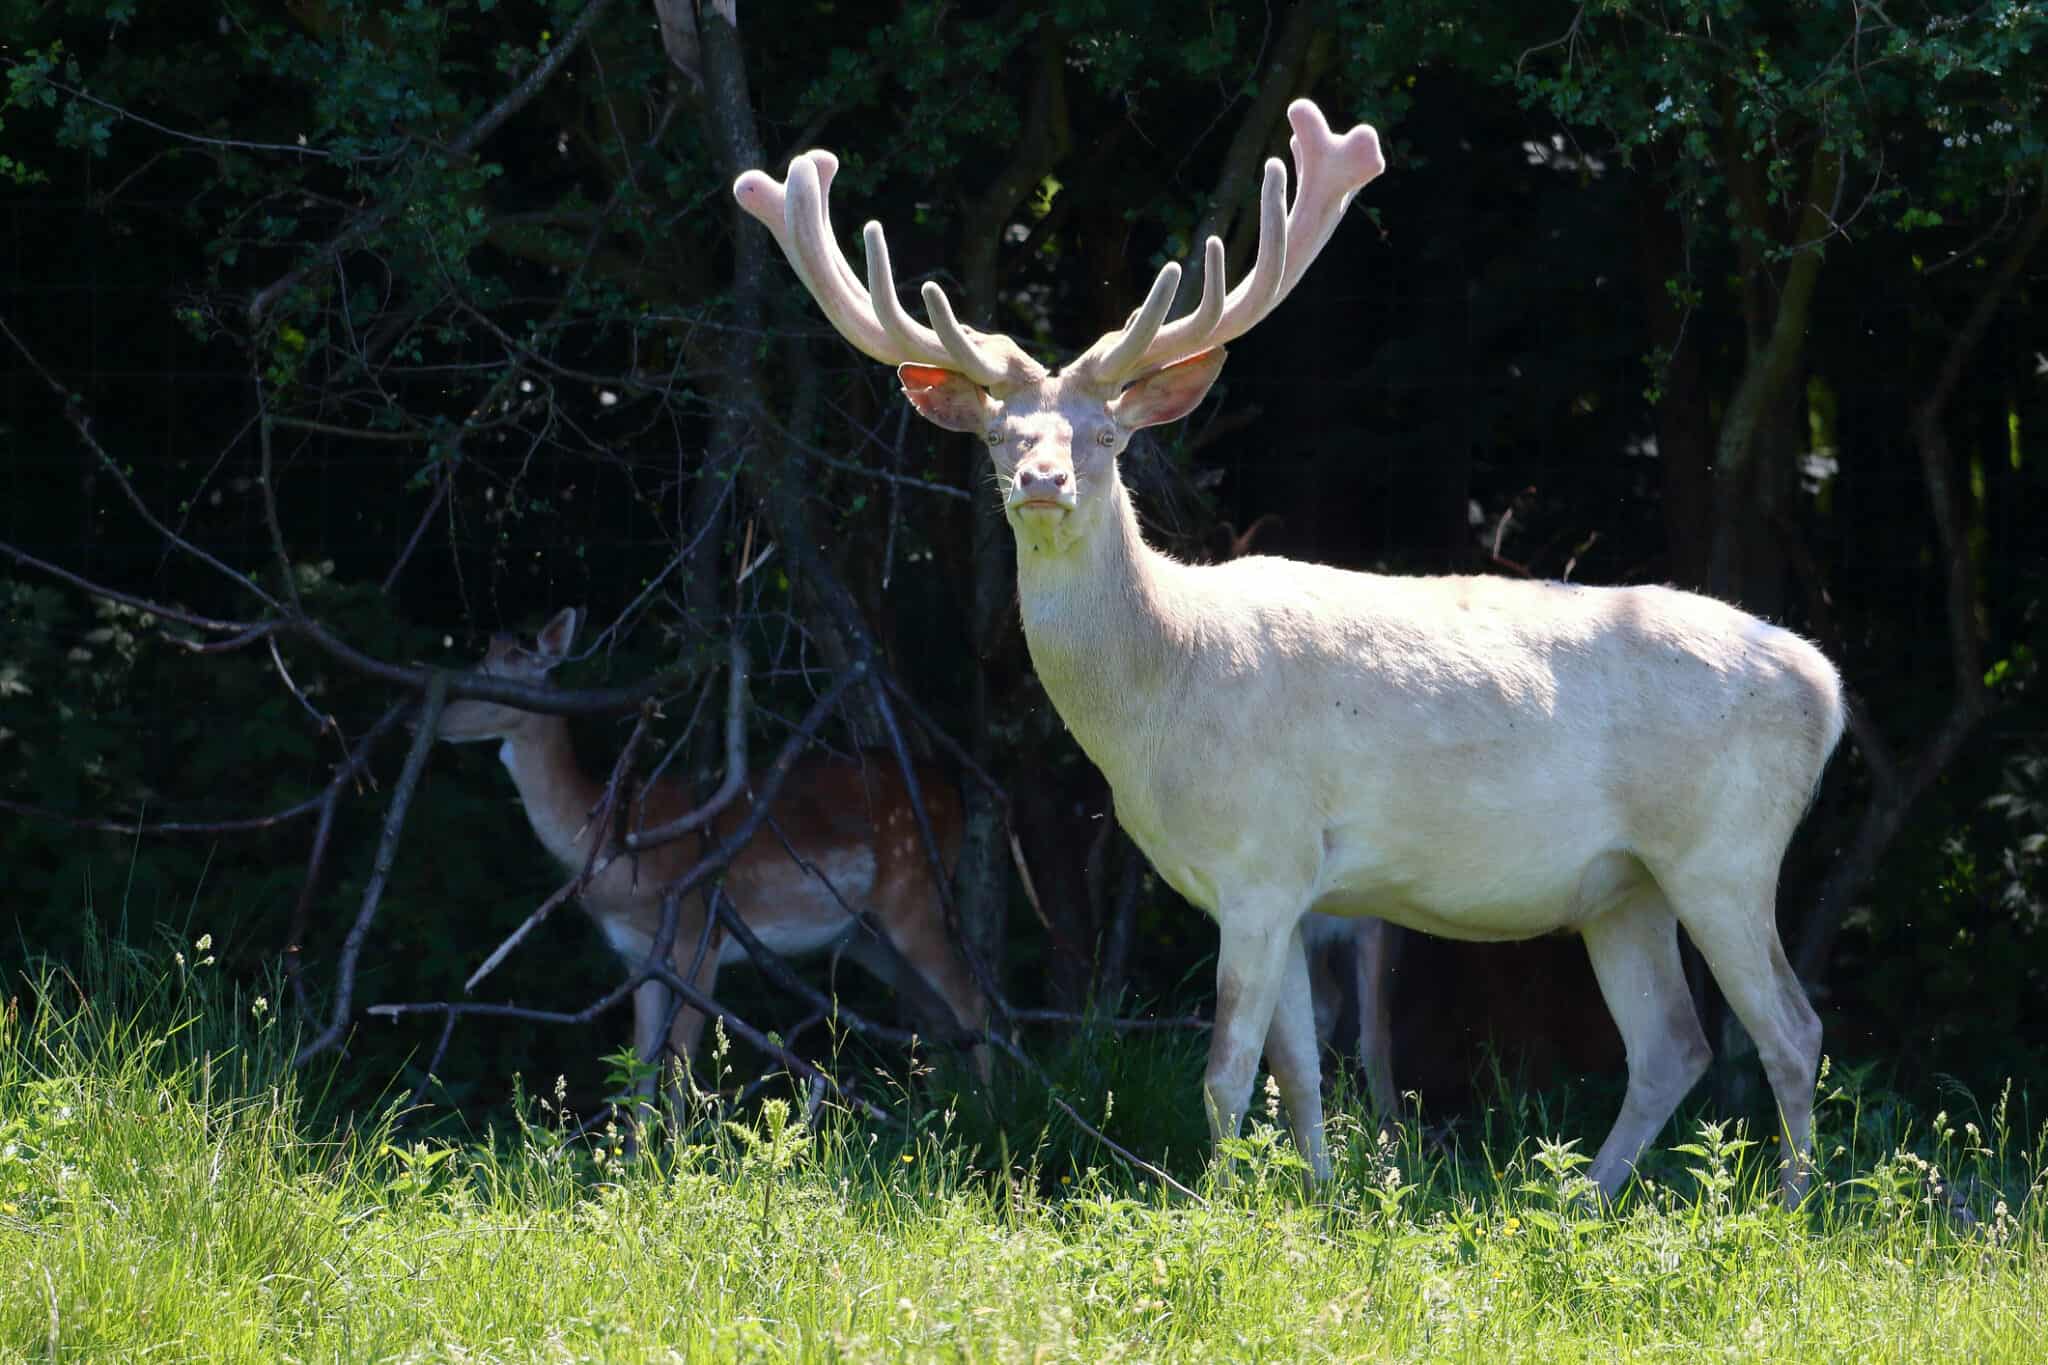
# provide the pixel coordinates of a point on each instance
(1168, 393)
(552, 644)
(949, 399)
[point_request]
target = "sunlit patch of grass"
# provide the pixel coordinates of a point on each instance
(162, 1196)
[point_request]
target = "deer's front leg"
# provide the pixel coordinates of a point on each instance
(1263, 1002)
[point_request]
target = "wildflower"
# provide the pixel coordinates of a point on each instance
(908, 1158)
(260, 1006)
(1511, 1227)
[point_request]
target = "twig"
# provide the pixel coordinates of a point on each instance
(1182, 1023)
(387, 852)
(345, 773)
(593, 865)
(81, 423)
(937, 734)
(419, 532)
(86, 585)
(735, 766)
(325, 720)
(433, 1066)
(1117, 1149)
(760, 414)
(266, 480)
(538, 697)
(237, 144)
(739, 1027)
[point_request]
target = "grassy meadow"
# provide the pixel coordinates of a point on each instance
(166, 1194)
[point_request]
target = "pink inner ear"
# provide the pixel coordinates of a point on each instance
(944, 397)
(1168, 393)
(923, 376)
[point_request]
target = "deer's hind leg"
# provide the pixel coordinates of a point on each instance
(1735, 927)
(1634, 949)
(931, 969)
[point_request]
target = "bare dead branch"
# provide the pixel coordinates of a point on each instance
(938, 736)
(81, 422)
(527, 696)
(380, 872)
(593, 866)
(695, 998)
(154, 608)
(201, 139)
(345, 774)
(419, 532)
(735, 766)
(1116, 1149)
(1177, 1023)
(266, 483)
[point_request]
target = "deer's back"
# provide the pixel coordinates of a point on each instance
(840, 835)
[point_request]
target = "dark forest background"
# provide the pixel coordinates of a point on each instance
(374, 328)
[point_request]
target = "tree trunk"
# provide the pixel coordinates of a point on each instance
(1897, 786)
(982, 880)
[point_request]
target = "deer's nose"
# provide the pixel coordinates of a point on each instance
(1041, 477)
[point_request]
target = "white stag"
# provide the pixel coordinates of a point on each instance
(845, 871)
(1475, 757)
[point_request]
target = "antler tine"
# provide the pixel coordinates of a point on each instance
(869, 316)
(970, 357)
(1119, 354)
(910, 340)
(794, 212)
(1255, 295)
(1331, 170)
(945, 342)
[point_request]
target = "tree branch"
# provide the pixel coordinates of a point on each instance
(735, 765)
(380, 873)
(345, 773)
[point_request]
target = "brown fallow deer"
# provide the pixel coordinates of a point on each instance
(871, 895)
(1480, 758)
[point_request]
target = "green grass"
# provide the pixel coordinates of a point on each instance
(164, 1196)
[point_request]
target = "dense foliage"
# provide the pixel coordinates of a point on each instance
(424, 319)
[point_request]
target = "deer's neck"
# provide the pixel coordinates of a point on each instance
(1108, 634)
(557, 796)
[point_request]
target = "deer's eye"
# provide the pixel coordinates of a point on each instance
(1106, 436)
